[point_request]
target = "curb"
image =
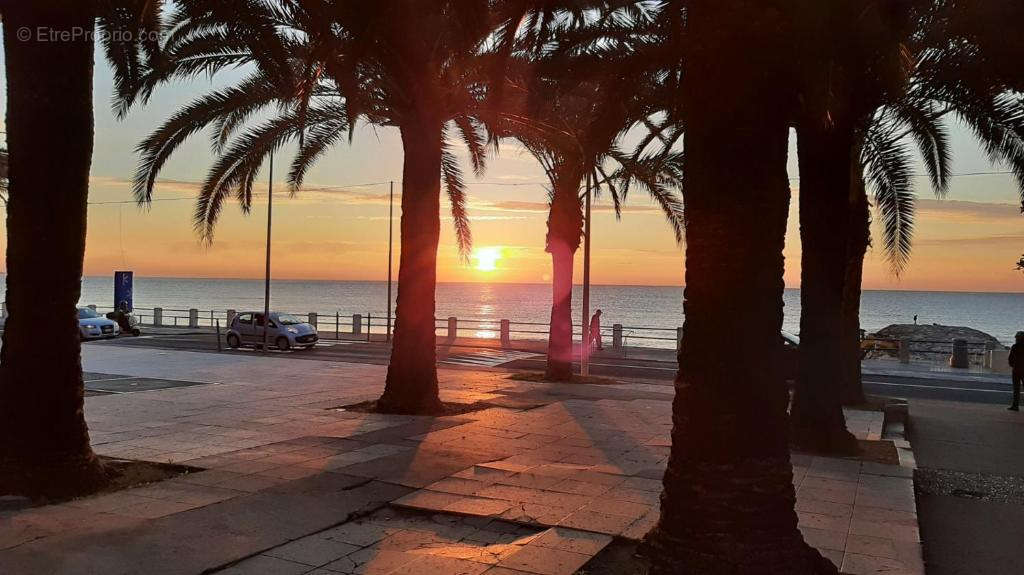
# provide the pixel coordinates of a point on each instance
(978, 378)
(894, 428)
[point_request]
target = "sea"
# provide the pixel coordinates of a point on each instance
(649, 314)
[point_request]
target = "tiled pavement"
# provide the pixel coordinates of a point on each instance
(284, 472)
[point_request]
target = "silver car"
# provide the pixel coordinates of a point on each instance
(284, 331)
(92, 325)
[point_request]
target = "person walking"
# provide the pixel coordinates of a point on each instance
(595, 331)
(1017, 364)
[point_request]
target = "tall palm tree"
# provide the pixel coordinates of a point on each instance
(420, 66)
(579, 109)
(44, 439)
(953, 75)
(728, 501)
(858, 66)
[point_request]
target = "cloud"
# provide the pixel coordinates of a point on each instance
(542, 207)
(977, 241)
(964, 211)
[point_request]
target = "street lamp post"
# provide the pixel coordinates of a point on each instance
(391, 233)
(585, 349)
(266, 285)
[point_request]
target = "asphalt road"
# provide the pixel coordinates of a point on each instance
(608, 365)
(970, 486)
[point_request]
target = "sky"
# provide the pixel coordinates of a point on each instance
(336, 227)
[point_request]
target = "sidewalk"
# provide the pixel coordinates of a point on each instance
(929, 370)
(292, 485)
(970, 486)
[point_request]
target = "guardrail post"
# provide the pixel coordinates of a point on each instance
(357, 323)
(617, 336)
(231, 317)
(158, 316)
(193, 318)
(369, 324)
(679, 338)
(904, 351)
(219, 346)
(959, 357)
(453, 328)
(506, 337)
(312, 320)
(337, 325)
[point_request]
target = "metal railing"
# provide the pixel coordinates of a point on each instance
(373, 326)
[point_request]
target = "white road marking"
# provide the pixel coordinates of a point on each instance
(486, 357)
(939, 387)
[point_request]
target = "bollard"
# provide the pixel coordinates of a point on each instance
(231, 317)
(369, 323)
(904, 351)
(357, 323)
(337, 325)
(679, 338)
(158, 316)
(312, 319)
(219, 348)
(617, 336)
(193, 318)
(453, 328)
(960, 357)
(506, 328)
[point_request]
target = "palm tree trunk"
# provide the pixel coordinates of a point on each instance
(728, 499)
(818, 423)
(411, 385)
(565, 224)
(852, 391)
(44, 440)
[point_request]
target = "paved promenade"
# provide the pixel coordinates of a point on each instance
(538, 483)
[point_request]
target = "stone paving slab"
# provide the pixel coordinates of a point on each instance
(281, 465)
(392, 542)
(190, 541)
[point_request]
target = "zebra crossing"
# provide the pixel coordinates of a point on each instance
(486, 357)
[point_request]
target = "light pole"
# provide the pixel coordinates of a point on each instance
(391, 233)
(585, 350)
(266, 285)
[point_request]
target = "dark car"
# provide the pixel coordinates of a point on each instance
(790, 355)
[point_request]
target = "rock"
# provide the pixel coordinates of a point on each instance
(937, 333)
(935, 342)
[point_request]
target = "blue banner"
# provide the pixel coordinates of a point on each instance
(123, 290)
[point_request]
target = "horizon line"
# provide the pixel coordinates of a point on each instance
(544, 283)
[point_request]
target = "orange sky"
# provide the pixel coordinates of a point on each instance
(334, 229)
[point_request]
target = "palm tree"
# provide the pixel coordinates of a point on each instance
(419, 66)
(857, 68)
(44, 440)
(728, 501)
(954, 75)
(579, 109)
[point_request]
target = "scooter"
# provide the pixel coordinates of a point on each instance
(126, 321)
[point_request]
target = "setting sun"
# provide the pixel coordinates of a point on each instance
(487, 258)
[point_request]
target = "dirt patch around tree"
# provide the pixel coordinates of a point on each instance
(538, 377)
(447, 408)
(122, 474)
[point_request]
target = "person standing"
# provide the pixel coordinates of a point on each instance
(1017, 364)
(595, 331)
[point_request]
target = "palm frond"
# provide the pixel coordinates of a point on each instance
(201, 112)
(454, 185)
(888, 169)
